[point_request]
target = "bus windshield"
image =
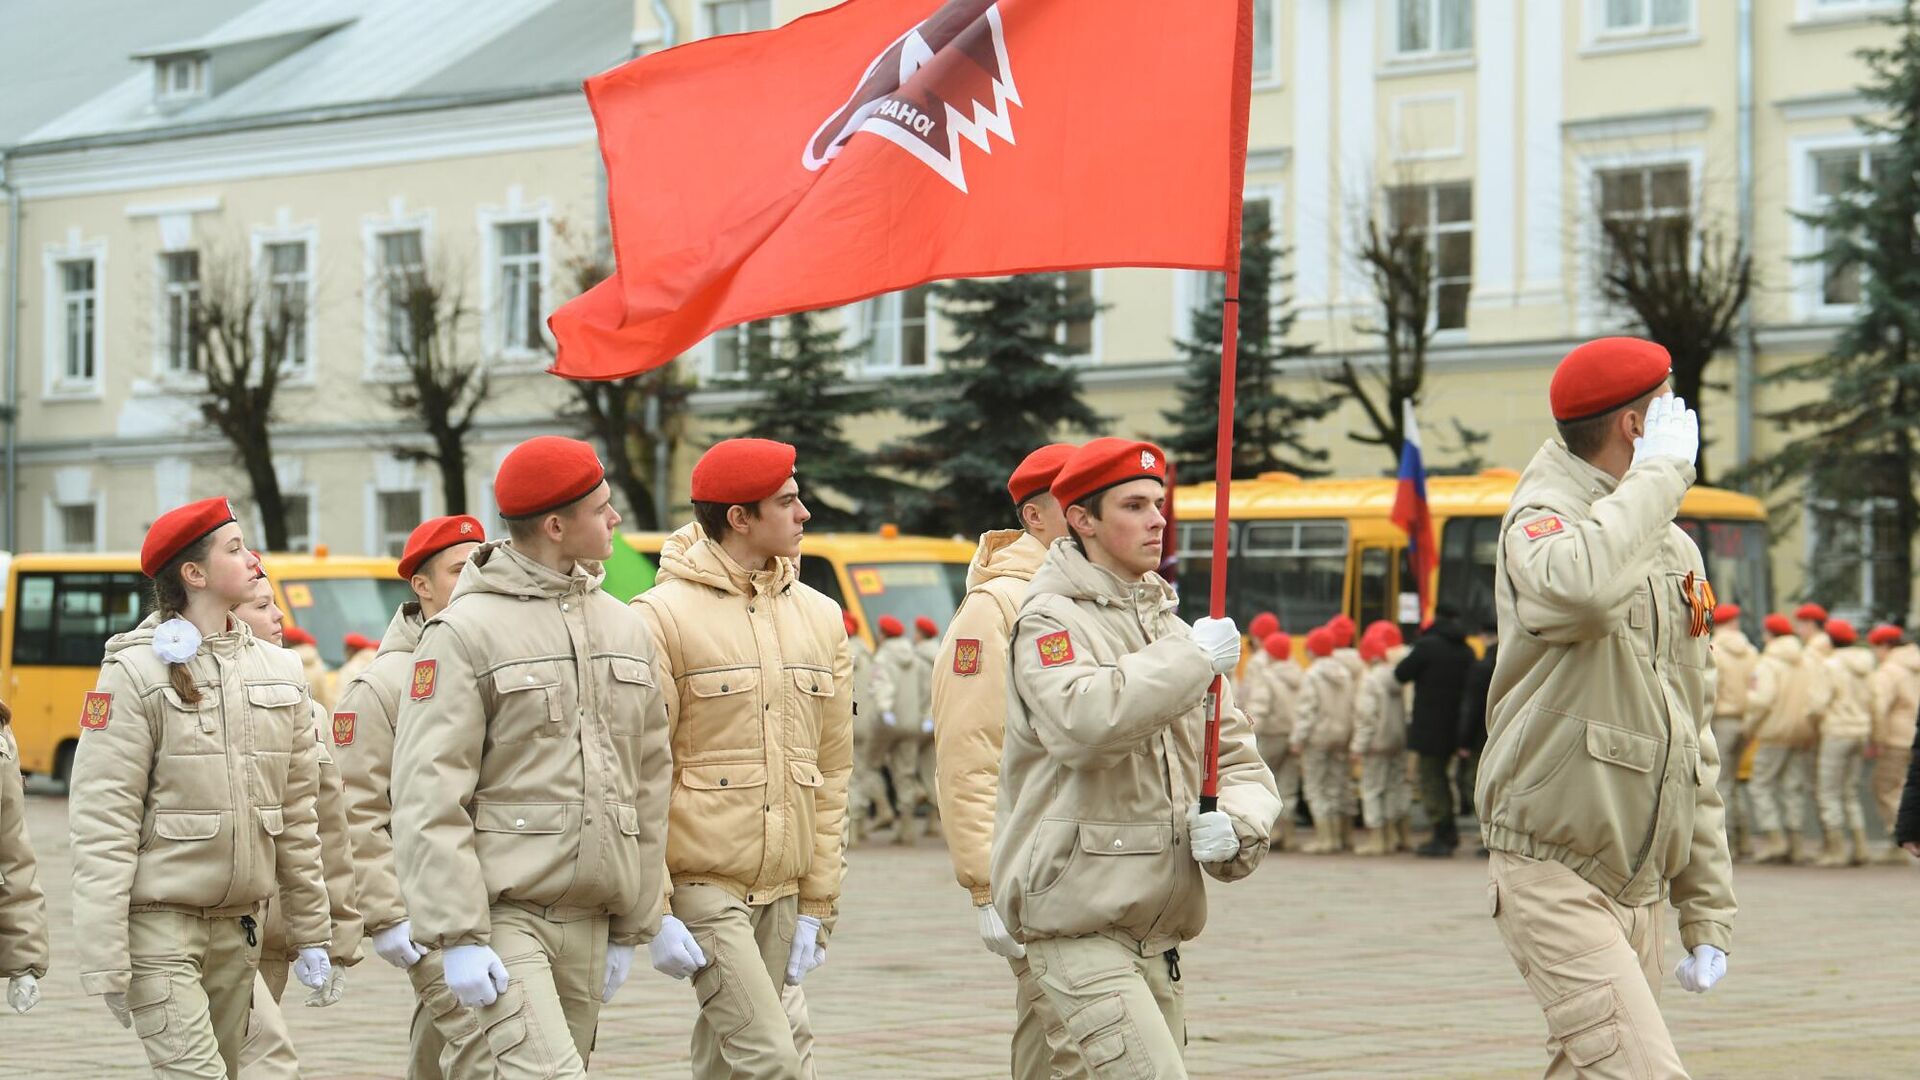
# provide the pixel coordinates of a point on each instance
(332, 608)
(1295, 569)
(1735, 553)
(908, 590)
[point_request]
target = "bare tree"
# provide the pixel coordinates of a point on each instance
(444, 380)
(1398, 261)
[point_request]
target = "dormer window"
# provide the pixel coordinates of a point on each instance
(179, 78)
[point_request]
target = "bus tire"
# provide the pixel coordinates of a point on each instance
(63, 763)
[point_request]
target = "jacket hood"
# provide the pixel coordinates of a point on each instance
(1785, 649)
(1332, 669)
(1857, 661)
(1066, 572)
(403, 633)
(1450, 629)
(688, 555)
(1730, 640)
(142, 635)
(1907, 656)
(1005, 553)
(497, 568)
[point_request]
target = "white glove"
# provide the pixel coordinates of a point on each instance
(312, 968)
(673, 950)
(1210, 836)
(1700, 970)
(1220, 640)
(926, 726)
(1672, 431)
(395, 945)
(329, 992)
(993, 934)
(117, 1005)
(807, 952)
(474, 974)
(887, 719)
(619, 966)
(23, 992)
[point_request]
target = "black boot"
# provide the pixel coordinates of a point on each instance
(1445, 839)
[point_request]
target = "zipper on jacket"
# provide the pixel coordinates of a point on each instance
(1660, 789)
(246, 927)
(242, 806)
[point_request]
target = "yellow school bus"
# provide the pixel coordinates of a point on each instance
(875, 574)
(60, 610)
(1309, 549)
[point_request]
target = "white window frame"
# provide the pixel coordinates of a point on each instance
(491, 340)
(1096, 326)
(1274, 78)
(378, 364)
(1433, 52)
(55, 530)
(1823, 11)
(704, 16)
(1817, 506)
(310, 528)
(262, 237)
(1433, 229)
(392, 475)
(165, 292)
(1593, 311)
(711, 348)
(861, 325)
(1805, 239)
(59, 386)
(1189, 286)
(1601, 38)
(164, 69)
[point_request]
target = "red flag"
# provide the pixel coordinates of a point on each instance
(885, 143)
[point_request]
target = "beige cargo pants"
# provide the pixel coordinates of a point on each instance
(1837, 785)
(1782, 789)
(1329, 783)
(1889, 778)
(1593, 965)
(1729, 735)
(268, 1052)
(743, 1031)
(542, 1027)
(1126, 1013)
(191, 993)
(1042, 1049)
(1385, 793)
(445, 1039)
(903, 765)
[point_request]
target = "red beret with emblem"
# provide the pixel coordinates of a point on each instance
(544, 474)
(1035, 474)
(1263, 624)
(1884, 634)
(436, 535)
(1778, 625)
(1811, 612)
(1278, 645)
(1726, 613)
(1103, 463)
(293, 635)
(1320, 641)
(927, 626)
(1602, 375)
(179, 529)
(742, 471)
(1841, 632)
(890, 626)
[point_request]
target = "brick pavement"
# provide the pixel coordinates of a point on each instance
(1336, 967)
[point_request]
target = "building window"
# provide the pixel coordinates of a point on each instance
(1839, 174)
(289, 285)
(179, 78)
(397, 513)
(1266, 38)
(180, 314)
(1656, 200)
(1628, 17)
(734, 348)
(897, 331)
(1845, 7)
(78, 526)
(1075, 336)
(1433, 27)
(517, 272)
(1854, 551)
(402, 270)
(735, 16)
(299, 506)
(79, 321)
(1442, 214)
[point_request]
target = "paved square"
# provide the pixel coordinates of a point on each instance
(1314, 967)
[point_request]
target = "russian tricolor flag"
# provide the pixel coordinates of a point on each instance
(1410, 511)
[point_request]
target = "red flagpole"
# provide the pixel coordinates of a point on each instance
(1229, 357)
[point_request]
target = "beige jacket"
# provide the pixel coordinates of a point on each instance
(1600, 751)
(863, 718)
(321, 683)
(336, 859)
(23, 906)
(1780, 704)
(363, 727)
(1734, 659)
(763, 731)
(530, 759)
(970, 700)
(1267, 691)
(193, 808)
(1850, 713)
(1323, 716)
(353, 666)
(1380, 709)
(899, 687)
(1104, 736)
(1896, 696)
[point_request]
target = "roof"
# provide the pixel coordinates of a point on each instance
(295, 58)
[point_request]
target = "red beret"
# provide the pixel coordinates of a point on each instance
(436, 535)
(1103, 463)
(1726, 613)
(356, 641)
(890, 626)
(927, 626)
(1035, 474)
(293, 635)
(1263, 624)
(1602, 375)
(741, 471)
(1811, 612)
(1884, 634)
(1372, 647)
(1278, 645)
(1341, 627)
(1388, 634)
(852, 624)
(1778, 625)
(544, 474)
(179, 529)
(1319, 642)
(1841, 632)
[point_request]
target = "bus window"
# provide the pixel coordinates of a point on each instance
(1295, 569)
(332, 608)
(1735, 554)
(1376, 600)
(1467, 549)
(1195, 570)
(817, 573)
(65, 619)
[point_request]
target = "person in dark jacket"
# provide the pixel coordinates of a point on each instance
(1906, 824)
(1437, 667)
(1473, 720)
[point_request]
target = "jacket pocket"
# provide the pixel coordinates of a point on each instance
(1683, 648)
(191, 730)
(537, 819)
(530, 703)
(273, 820)
(1586, 1025)
(188, 858)
(1546, 741)
(275, 711)
(717, 821)
(719, 684)
(813, 692)
(629, 689)
(150, 1000)
(1114, 875)
(186, 824)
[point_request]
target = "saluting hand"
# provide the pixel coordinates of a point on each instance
(1673, 431)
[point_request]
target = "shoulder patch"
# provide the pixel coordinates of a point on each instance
(95, 711)
(1055, 649)
(1542, 528)
(966, 656)
(424, 674)
(343, 728)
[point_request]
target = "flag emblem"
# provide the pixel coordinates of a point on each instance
(94, 713)
(966, 656)
(1545, 527)
(424, 674)
(343, 729)
(1055, 649)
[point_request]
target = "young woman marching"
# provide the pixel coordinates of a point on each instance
(184, 812)
(23, 907)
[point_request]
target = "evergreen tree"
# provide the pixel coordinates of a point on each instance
(1267, 422)
(805, 399)
(1855, 435)
(997, 397)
